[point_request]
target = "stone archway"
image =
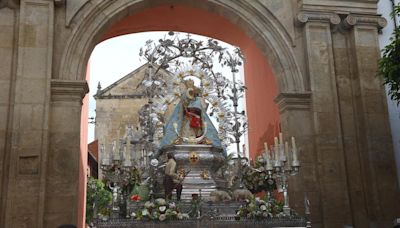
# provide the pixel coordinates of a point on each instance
(268, 41)
(266, 48)
(269, 34)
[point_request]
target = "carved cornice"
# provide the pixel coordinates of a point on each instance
(293, 101)
(64, 90)
(127, 96)
(12, 4)
(59, 2)
(307, 16)
(372, 20)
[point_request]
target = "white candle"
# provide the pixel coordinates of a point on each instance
(295, 161)
(280, 138)
(267, 158)
(287, 150)
(282, 156)
(276, 153)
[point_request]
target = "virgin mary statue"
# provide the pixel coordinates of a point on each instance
(189, 122)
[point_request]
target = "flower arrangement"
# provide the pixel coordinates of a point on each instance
(135, 198)
(140, 193)
(260, 209)
(256, 178)
(159, 210)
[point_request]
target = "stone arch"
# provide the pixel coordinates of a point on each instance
(270, 36)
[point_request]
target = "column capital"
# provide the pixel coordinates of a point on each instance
(358, 19)
(304, 17)
(293, 101)
(68, 90)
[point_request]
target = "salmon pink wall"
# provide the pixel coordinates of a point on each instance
(84, 157)
(262, 112)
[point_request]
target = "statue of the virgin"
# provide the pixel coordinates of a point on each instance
(189, 122)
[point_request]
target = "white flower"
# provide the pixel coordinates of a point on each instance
(154, 162)
(172, 205)
(179, 216)
(162, 217)
(162, 209)
(148, 204)
(133, 214)
(145, 212)
(161, 201)
(263, 207)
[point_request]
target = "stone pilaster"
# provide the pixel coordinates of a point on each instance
(62, 177)
(372, 135)
(296, 120)
(28, 132)
(327, 141)
(7, 74)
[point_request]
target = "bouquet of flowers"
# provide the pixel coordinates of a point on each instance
(159, 210)
(260, 209)
(256, 178)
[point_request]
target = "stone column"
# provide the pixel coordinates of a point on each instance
(331, 169)
(62, 177)
(296, 120)
(29, 123)
(373, 138)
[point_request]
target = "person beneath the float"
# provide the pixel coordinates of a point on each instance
(171, 179)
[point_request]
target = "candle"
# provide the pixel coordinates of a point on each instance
(266, 147)
(295, 161)
(280, 138)
(287, 150)
(267, 158)
(282, 152)
(276, 153)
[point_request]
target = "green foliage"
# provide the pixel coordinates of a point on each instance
(98, 199)
(389, 64)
